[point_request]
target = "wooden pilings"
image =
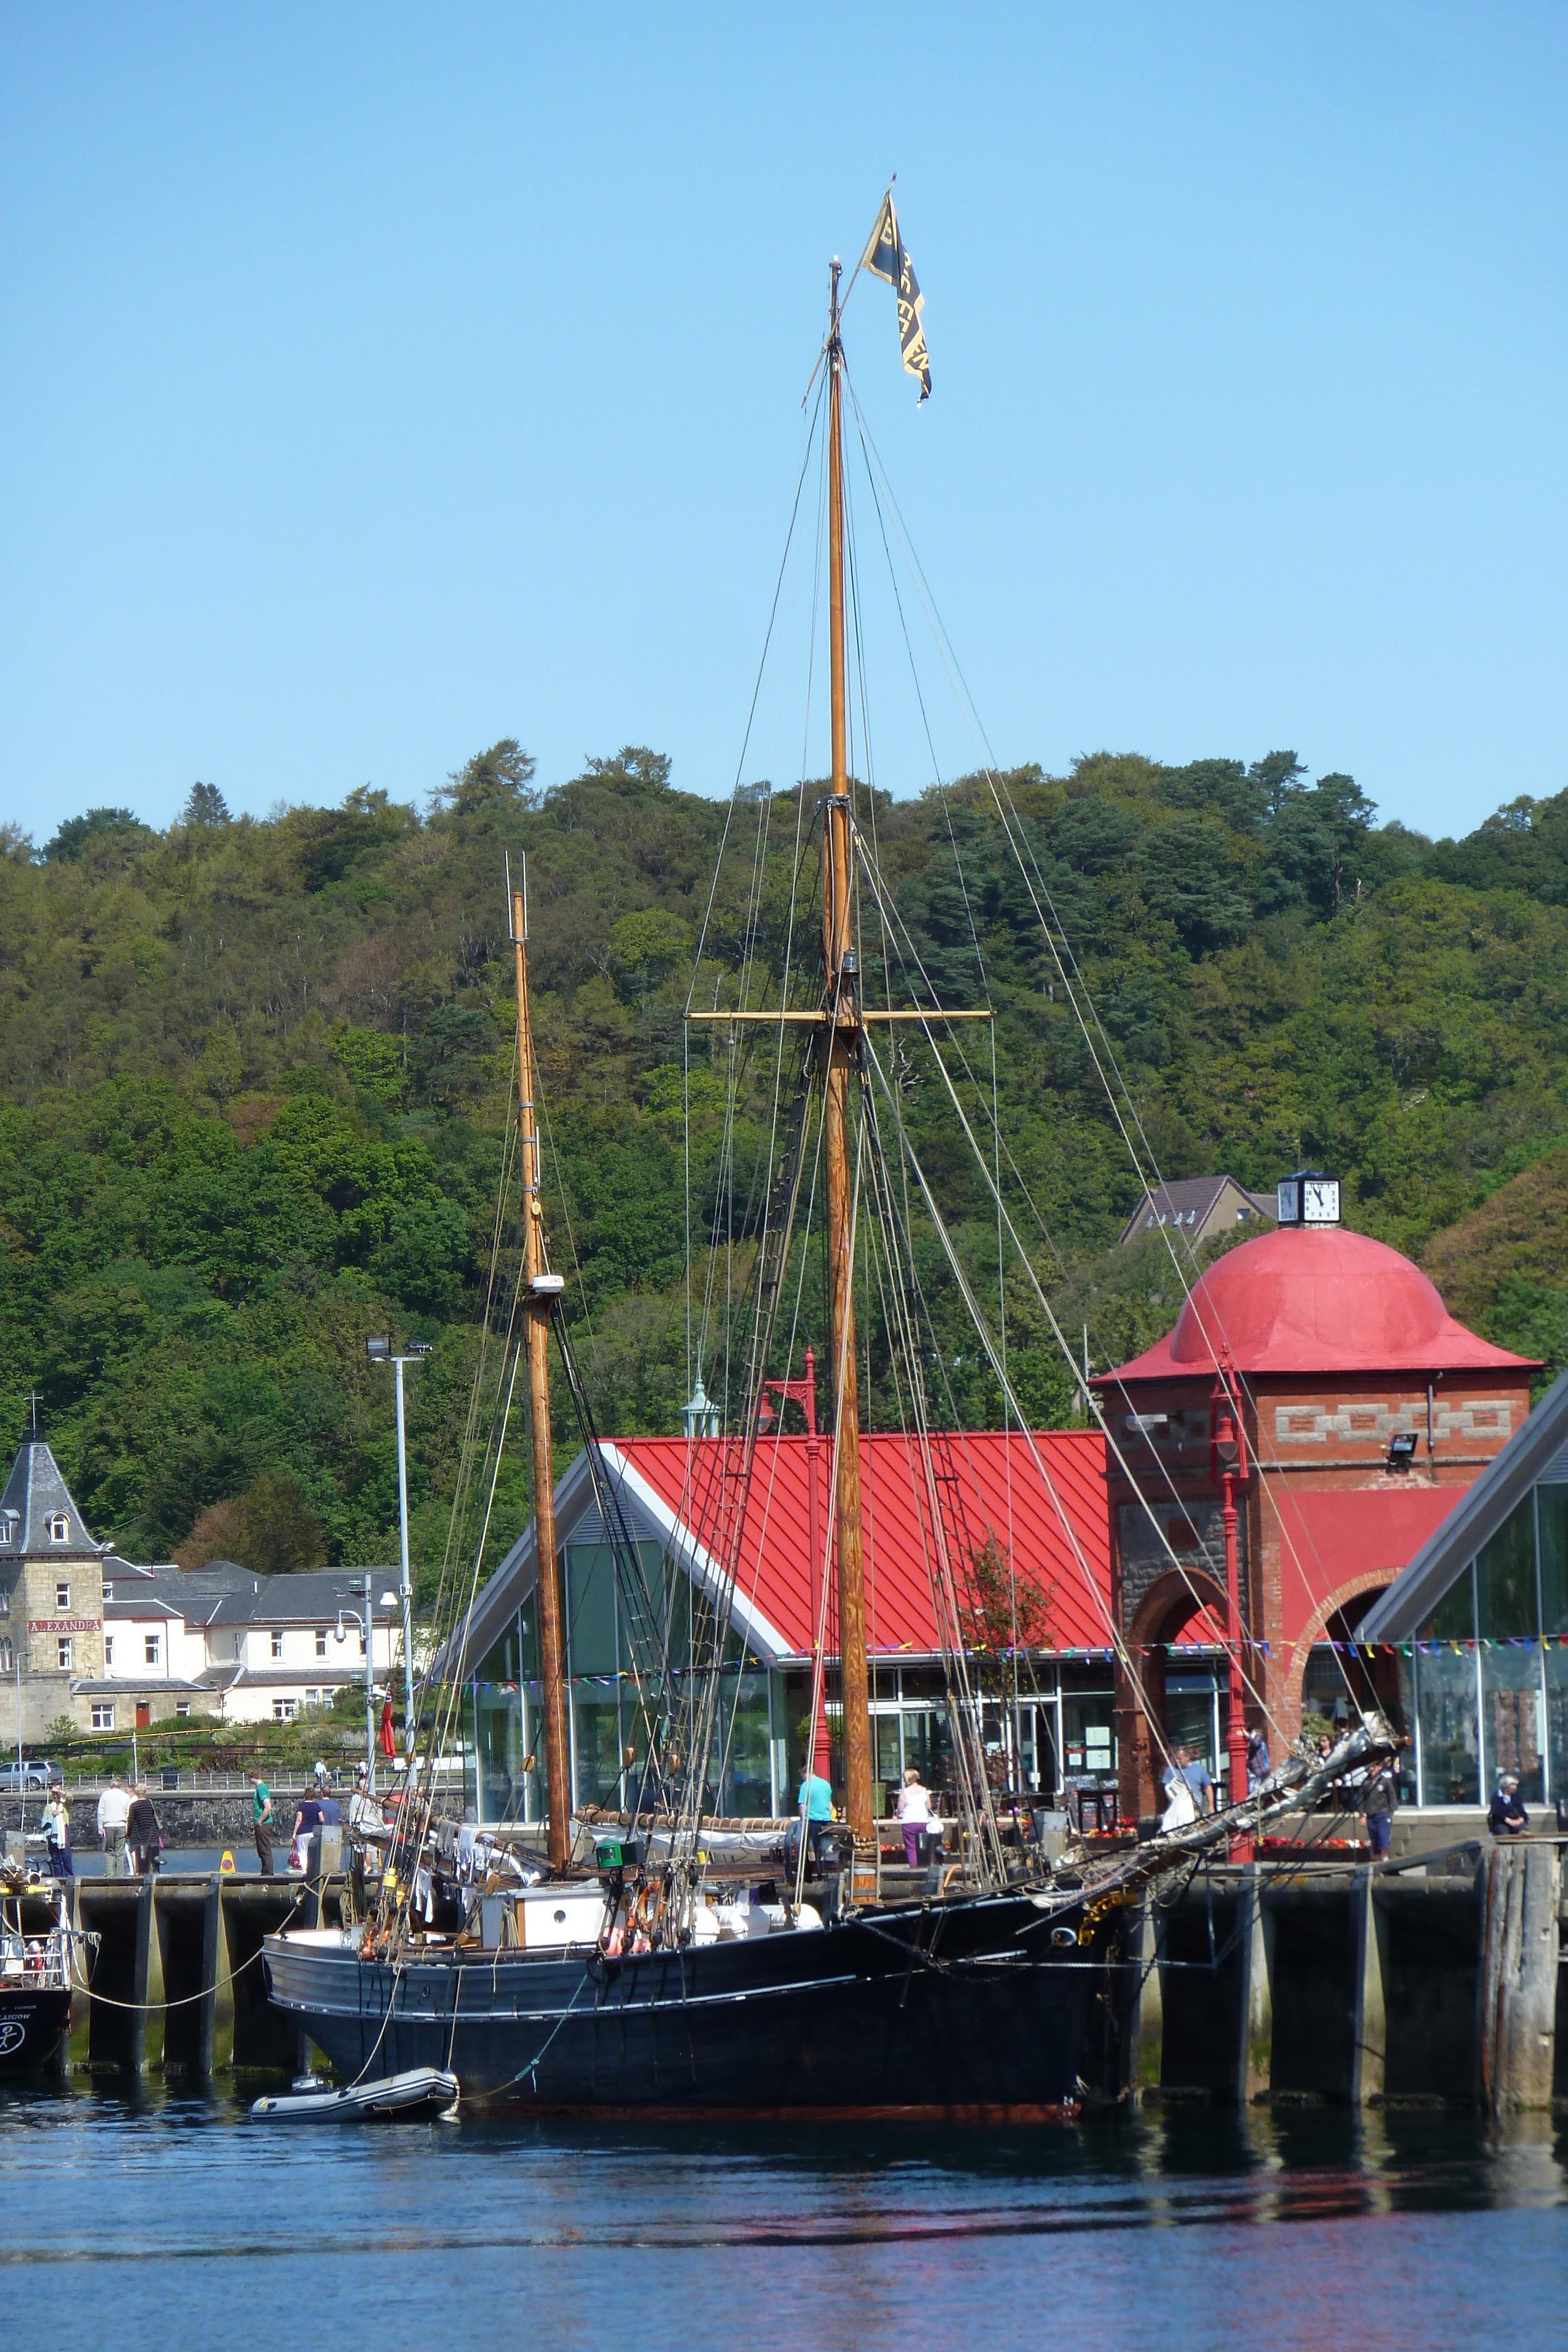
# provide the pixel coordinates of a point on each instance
(176, 1980)
(1516, 1992)
(1432, 1981)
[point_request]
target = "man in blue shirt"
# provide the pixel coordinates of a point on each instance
(815, 1806)
(1199, 1780)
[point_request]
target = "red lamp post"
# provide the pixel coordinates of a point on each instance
(804, 1393)
(1229, 1469)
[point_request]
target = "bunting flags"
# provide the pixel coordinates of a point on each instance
(886, 258)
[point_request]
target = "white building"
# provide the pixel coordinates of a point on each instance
(223, 1642)
(116, 1647)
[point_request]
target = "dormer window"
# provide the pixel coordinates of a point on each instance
(10, 1525)
(60, 1527)
(62, 1596)
(108, 1591)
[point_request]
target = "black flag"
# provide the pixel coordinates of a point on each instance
(884, 256)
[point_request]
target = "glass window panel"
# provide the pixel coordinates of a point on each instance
(889, 1762)
(1189, 1720)
(1454, 1619)
(1505, 1577)
(1088, 1738)
(1446, 1702)
(590, 1608)
(1556, 1665)
(927, 1745)
(1404, 1764)
(1514, 1718)
(596, 1719)
(747, 1787)
(500, 1751)
(1552, 1504)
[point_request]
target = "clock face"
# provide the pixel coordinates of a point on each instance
(1319, 1203)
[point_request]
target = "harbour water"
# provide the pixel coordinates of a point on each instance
(1196, 2229)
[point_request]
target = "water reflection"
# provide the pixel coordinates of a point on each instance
(1261, 2219)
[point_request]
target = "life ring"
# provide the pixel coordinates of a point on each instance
(646, 1908)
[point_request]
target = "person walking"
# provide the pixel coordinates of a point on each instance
(113, 1810)
(143, 1838)
(307, 1821)
(1257, 1759)
(1189, 1786)
(364, 1813)
(1380, 1802)
(57, 1828)
(261, 1824)
(914, 1814)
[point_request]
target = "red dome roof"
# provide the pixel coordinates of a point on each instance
(1304, 1300)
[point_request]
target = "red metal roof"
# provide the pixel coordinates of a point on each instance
(1326, 1539)
(1322, 1300)
(1056, 1527)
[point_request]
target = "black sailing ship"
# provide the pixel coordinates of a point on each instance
(660, 1979)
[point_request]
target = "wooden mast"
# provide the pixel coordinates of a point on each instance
(841, 1046)
(536, 1324)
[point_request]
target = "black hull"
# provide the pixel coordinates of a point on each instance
(968, 2012)
(31, 2027)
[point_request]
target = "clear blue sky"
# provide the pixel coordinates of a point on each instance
(379, 380)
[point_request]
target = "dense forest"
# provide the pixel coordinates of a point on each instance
(253, 1080)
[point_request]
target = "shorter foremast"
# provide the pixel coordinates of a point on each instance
(539, 1290)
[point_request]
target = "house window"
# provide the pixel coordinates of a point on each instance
(4, 1600)
(284, 1710)
(277, 1645)
(62, 1596)
(312, 1698)
(8, 1528)
(181, 1707)
(320, 1640)
(108, 1650)
(64, 1647)
(103, 1714)
(60, 1527)
(108, 1591)
(361, 1645)
(152, 1648)
(7, 1659)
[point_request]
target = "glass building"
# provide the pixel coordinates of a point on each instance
(1479, 1622)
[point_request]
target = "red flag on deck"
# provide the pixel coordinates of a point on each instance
(386, 1738)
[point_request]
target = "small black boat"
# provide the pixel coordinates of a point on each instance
(35, 1975)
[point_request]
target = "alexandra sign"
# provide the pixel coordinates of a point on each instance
(62, 1625)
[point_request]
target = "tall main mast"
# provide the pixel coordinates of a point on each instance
(841, 1010)
(536, 1324)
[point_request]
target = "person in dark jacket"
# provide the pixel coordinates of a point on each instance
(143, 1838)
(1380, 1801)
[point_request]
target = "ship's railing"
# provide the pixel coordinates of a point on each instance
(36, 1962)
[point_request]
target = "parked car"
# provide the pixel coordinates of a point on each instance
(32, 1772)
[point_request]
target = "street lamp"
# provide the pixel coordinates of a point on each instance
(367, 1629)
(380, 1351)
(1229, 1469)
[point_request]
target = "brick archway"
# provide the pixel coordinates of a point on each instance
(1362, 1587)
(1165, 1608)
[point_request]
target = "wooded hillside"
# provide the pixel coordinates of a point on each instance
(252, 1078)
